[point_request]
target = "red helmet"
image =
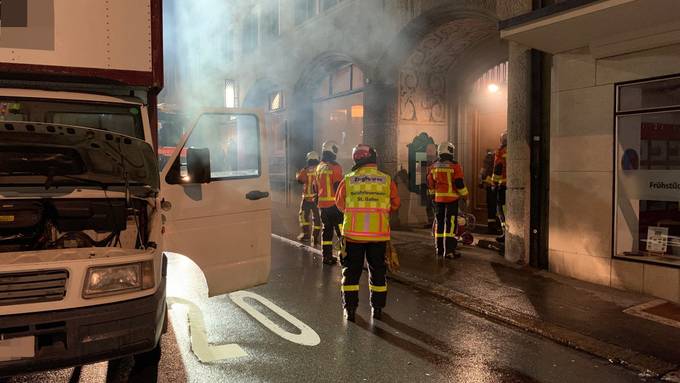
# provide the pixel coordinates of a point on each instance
(363, 153)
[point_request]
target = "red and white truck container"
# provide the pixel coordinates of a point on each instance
(86, 215)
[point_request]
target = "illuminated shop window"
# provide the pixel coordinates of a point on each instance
(647, 215)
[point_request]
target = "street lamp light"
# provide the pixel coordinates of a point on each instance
(493, 88)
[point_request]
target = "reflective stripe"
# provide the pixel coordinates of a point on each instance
(324, 171)
(367, 205)
(378, 289)
(447, 194)
(350, 288)
(366, 209)
(317, 227)
(327, 243)
(444, 235)
(442, 170)
(463, 191)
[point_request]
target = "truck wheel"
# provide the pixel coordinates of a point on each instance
(145, 368)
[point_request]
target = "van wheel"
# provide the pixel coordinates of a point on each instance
(145, 368)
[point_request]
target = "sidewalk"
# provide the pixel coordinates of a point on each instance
(578, 314)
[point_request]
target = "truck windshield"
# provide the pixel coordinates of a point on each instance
(118, 118)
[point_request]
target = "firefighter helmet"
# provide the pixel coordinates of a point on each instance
(445, 148)
(312, 156)
(330, 146)
(363, 154)
(504, 138)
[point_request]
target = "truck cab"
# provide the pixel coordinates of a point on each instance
(86, 216)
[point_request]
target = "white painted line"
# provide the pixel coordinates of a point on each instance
(204, 351)
(307, 336)
(297, 244)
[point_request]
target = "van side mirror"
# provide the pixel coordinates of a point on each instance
(198, 165)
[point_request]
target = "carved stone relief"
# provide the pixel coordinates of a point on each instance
(422, 90)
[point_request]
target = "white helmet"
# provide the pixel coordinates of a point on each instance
(445, 148)
(330, 146)
(504, 138)
(312, 156)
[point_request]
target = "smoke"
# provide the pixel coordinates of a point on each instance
(198, 43)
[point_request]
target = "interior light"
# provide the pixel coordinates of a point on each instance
(493, 88)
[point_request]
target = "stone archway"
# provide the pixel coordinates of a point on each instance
(302, 125)
(384, 100)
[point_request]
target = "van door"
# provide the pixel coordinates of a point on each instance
(215, 200)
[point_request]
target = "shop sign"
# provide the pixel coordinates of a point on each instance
(650, 185)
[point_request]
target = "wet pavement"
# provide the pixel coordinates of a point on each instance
(421, 339)
(585, 315)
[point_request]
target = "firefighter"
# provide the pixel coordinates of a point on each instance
(367, 196)
(328, 177)
(486, 183)
(307, 177)
(500, 180)
(445, 177)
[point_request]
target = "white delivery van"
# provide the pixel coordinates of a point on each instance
(86, 214)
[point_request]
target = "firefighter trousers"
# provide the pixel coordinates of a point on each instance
(501, 190)
(445, 234)
(493, 222)
(353, 265)
(309, 209)
(331, 217)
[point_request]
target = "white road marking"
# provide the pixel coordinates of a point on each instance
(297, 244)
(307, 336)
(204, 351)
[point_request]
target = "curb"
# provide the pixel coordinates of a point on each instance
(645, 365)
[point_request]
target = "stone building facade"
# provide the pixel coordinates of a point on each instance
(403, 74)
(615, 137)
(420, 62)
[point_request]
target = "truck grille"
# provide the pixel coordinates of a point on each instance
(32, 287)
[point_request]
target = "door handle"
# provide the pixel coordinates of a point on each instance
(256, 194)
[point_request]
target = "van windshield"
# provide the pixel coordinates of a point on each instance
(117, 118)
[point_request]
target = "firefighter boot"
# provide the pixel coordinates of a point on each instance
(451, 245)
(440, 247)
(303, 237)
(328, 258)
(350, 314)
(377, 313)
(316, 237)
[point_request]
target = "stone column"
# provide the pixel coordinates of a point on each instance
(518, 198)
(380, 127)
(519, 154)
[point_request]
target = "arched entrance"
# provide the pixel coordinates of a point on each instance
(483, 118)
(447, 51)
(329, 101)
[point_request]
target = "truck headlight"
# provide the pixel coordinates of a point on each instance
(117, 279)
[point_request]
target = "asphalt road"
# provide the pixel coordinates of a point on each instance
(421, 339)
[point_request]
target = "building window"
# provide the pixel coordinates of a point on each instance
(328, 4)
(305, 9)
(270, 20)
(344, 80)
(249, 38)
(647, 208)
(231, 94)
(276, 101)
